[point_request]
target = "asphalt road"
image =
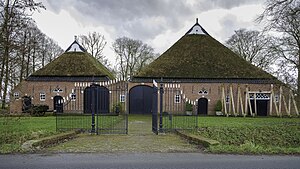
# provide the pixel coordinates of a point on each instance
(146, 161)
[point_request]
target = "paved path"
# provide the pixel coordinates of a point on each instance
(140, 139)
(147, 161)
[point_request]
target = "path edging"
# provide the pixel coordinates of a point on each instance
(196, 139)
(32, 145)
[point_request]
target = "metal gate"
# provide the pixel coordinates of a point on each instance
(104, 110)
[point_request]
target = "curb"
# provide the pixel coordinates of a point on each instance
(196, 139)
(32, 145)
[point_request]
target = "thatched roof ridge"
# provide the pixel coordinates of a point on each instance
(74, 64)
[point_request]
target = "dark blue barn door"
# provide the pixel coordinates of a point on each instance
(140, 100)
(100, 94)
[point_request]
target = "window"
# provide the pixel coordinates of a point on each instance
(73, 96)
(227, 99)
(57, 90)
(16, 95)
(177, 98)
(122, 98)
(42, 96)
(203, 92)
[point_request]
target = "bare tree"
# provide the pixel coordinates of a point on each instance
(94, 43)
(14, 14)
(283, 17)
(253, 46)
(132, 56)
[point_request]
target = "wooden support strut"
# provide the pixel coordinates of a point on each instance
(248, 100)
(232, 101)
(295, 105)
(241, 101)
(274, 101)
(224, 101)
(271, 101)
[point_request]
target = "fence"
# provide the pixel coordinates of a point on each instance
(99, 108)
(178, 112)
(103, 124)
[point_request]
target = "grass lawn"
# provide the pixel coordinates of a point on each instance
(268, 135)
(14, 131)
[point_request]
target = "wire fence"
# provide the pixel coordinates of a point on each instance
(104, 123)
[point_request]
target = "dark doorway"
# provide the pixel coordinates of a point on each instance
(262, 107)
(26, 103)
(101, 96)
(140, 99)
(202, 106)
(58, 104)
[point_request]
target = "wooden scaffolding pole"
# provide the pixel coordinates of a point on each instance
(274, 102)
(284, 103)
(232, 101)
(248, 102)
(240, 103)
(224, 100)
(295, 105)
(280, 101)
(271, 101)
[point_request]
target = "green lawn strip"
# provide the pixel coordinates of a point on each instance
(14, 131)
(252, 135)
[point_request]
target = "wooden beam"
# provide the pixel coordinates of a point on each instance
(224, 100)
(295, 105)
(271, 101)
(246, 101)
(249, 102)
(285, 106)
(280, 101)
(275, 104)
(232, 100)
(241, 102)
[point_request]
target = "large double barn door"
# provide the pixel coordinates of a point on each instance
(141, 100)
(96, 98)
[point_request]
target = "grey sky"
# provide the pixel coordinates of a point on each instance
(159, 23)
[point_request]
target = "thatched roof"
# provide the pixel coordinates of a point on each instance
(74, 64)
(198, 55)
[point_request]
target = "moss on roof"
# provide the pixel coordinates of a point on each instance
(74, 64)
(201, 56)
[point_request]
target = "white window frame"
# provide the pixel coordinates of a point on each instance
(122, 98)
(177, 98)
(17, 95)
(73, 96)
(42, 96)
(227, 99)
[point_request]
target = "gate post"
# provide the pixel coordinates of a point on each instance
(161, 94)
(154, 108)
(93, 107)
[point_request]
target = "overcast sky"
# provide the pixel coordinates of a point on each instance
(159, 23)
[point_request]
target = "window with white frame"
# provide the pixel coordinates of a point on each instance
(177, 98)
(42, 96)
(16, 95)
(73, 96)
(227, 99)
(122, 98)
